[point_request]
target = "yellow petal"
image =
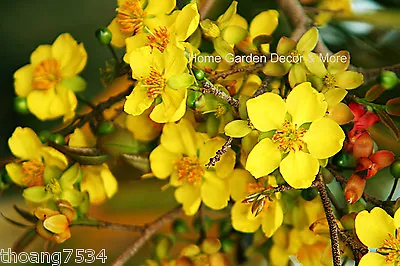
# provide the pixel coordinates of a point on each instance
(187, 21)
(53, 157)
(225, 19)
(37, 194)
(138, 101)
(299, 169)
(234, 34)
(239, 181)
(180, 138)
(263, 158)
(73, 196)
(335, 96)
(172, 108)
(305, 104)
(40, 102)
(341, 64)
(397, 219)
(56, 223)
(135, 42)
(16, 173)
(41, 53)
(242, 218)
(118, 37)
(372, 228)
(373, 259)
(175, 62)
(308, 41)
(93, 184)
(276, 69)
(238, 20)
(109, 182)
(297, 74)
(23, 80)
(223, 48)
(315, 65)
(215, 191)
(264, 23)
(189, 196)
(78, 139)
(141, 60)
(324, 138)
(266, 112)
(349, 80)
(162, 161)
(341, 113)
(272, 218)
(285, 45)
(71, 56)
(237, 129)
(24, 144)
(225, 165)
(155, 7)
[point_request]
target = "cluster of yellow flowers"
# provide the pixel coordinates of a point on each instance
(216, 139)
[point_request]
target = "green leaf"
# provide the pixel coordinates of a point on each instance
(26, 215)
(138, 161)
(374, 92)
(393, 106)
(85, 156)
(14, 222)
(388, 122)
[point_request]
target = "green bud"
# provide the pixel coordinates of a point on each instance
(179, 226)
(225, 227)
(192, 98)
(44, 135)
(227, 245)
(57, 138)
(210, 29)
(388, 79)
(157, 100)
(199, 74)
(344, 160)
(104, 128)
(104, 36)
(212, 125)
(163, 247)
(309, 193)
(211, 245)
(21, 105)
(395, 169)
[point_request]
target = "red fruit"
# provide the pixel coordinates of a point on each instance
(382, 159)
(354, 188)
(363, 146)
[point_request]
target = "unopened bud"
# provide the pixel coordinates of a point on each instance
(219, 259)
(363, 146)
(210, 29)
(184, 261)
(211, 245)
(348, 221)
(354, 188)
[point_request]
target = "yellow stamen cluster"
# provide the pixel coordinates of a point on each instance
(159, 39)
(221, 110)
(329, 81)
(33, 173)
(190, 170)
(53, 187)
(130, 17)
(289, 137)
(155, 83)
(46, 75)
(391, 249)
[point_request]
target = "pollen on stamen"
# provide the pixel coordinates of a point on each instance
(289, 137)
(130, 17)
(155, 83)
(159, 38)
(46, 74)
(329, 81)
(391, 248)
(33, 173)
(189, 170)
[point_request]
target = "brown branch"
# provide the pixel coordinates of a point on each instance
(208, 87)
(205, 8)
(356, 247)
(234, 70)
(108, 225)
(333, 227)
(148, 232)
(219, 153)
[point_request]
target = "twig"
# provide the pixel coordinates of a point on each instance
(333, 228)
(219, 153)
(208, 87)
(356, 247)
(203, 230)
(148, 232)
(263, 87)
(396, 181)
(224, 74)
(335, 203)
(205, 8)
(108, 225)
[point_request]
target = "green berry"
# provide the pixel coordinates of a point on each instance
(199, 74)
(21, 105)
(44, 135)
(179, 226)
(57, 138)
(104, 36)
(309, 194)
(105, 128)
(344, 160)
(395, 169)
(388, 79)
(227, 245)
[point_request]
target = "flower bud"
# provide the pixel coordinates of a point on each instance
(104, 36)
(309, 193)
(184, 261)
(210, 29)
(21, 105)
(348, 221)
(104, 128)
(363, 146)
(219, 259)
(190, 250)
(344, 160)
(44, 135)
(388, 79)
(395, 169)
(227, 245)
(163, 247)
(211, 245)
(199, 74)
(179, 226)
(354, 188)
(382, 159)
(341, 113)
(57, 138)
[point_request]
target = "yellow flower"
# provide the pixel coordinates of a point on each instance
(160, 76)
(39, 162)
(377, 230)
(142, 127)
(182, 156)
(335, 75)
(97, 180)
(295, 55)
(301, 135)
(134, 15)
(270, 218)
(184, 24)
(50, 80)
(328, 8)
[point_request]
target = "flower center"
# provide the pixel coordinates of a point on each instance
(329, 81)
(46, 75)
(391, 248)
(155, 83)
(189, 169)
(33, 173)
(159, 38)
(53, 187)
(130, 17)
(289, 137)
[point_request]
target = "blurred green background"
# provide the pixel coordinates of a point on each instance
(27, 24)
